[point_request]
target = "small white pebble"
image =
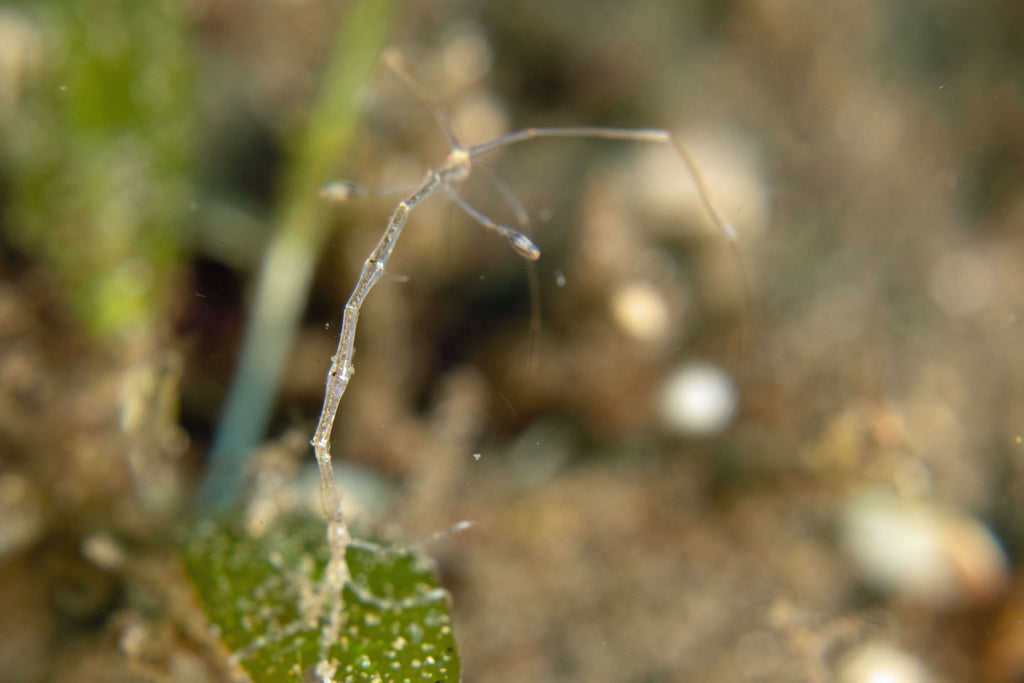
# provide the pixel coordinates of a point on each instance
(881, 663)
(934, 556)
(641, 310)
(698, 399)
(103, 550)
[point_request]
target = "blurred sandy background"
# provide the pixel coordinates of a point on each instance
(860, 512)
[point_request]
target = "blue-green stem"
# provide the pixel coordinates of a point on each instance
(286, 270)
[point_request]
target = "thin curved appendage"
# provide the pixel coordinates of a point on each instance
(533, 284)
(522, 216)
(655, 135)
(523, 245)
(396, 62)
(532, 276)
(444, 534)
(593, 132)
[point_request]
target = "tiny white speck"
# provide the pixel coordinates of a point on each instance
(559, 278)
(477, 456)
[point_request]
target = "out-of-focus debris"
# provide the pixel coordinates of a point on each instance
(914, 550)
(879, 662)
(22, 519)
(103, 550)
(698, 399)
(641, 310)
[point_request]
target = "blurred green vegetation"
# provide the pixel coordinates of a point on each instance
(99, 153)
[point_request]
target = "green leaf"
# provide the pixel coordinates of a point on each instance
(265, 599)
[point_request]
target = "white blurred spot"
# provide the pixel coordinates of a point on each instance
(698, 399)
(881, 663)
(477, 456)
(340, 191)
(103, 550)
(641, 310)
(919, 552)
(559, 278)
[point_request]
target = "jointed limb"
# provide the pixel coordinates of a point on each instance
(523, 245)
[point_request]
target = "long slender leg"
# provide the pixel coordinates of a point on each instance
(656, 135)
(532, 275)
(653, 135)
(523, 245)
(522, 216)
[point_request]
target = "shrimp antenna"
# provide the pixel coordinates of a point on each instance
(654, 135)
(394, 60)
